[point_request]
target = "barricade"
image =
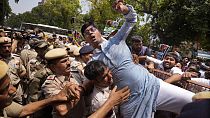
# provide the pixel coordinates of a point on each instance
(190, 85)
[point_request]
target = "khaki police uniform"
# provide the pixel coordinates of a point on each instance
(37, 71)
(14, 109)
(15, 67)
(77, 63)
(55, 83)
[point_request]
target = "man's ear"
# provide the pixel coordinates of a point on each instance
(52, 67)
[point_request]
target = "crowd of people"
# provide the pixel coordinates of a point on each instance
(58, 77)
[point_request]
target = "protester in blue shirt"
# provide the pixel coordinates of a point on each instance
(147, 91)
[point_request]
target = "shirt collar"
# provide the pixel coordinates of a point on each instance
(101, 45)
(102, 89)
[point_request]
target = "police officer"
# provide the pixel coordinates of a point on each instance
(58, 61)
(9, 108)
(86, 53)
(16, 69)
(38, 72)
(199, 108)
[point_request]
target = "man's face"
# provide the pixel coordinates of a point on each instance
(62, 66)
(185, 60)
(105, 79)
(193, 68)
(169, 62)
(194, 60)
(5, 98)
(87, 57)
(136, 46)
(5, 49)
(93, 36)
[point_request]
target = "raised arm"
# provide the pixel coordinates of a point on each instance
(130, 17)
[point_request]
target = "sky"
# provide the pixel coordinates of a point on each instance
(23, 5)
(27, 5)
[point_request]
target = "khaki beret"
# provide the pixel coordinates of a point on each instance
(56, 53)
(76, 51)
(201, 96)
(3, 69)
(5, 40)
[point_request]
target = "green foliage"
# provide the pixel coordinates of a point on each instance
(5, 10)
(53, 12)
(143, 31)
(101, 10)
(172, 20)
(177, 20)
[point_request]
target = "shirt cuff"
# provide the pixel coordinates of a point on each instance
(132, 15)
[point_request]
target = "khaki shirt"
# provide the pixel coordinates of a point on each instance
(15, 68)
(13, 110)
(53, 85)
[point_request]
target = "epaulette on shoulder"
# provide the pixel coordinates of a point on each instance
(51, 77)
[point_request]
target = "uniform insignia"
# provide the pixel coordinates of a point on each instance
(51, 77)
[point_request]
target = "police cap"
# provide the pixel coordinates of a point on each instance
(56, 54)
(86, 49)
(201, 95)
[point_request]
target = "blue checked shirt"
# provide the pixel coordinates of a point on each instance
(143, 85)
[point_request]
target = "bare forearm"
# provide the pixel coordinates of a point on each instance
(102, 111)
(35, 106)
(174, 78)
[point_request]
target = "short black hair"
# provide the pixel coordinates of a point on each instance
(174, 55)
(136, 38)
(94, 69)
(86, 25)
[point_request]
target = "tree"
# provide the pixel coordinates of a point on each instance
(101, 11)
(5, 10)
(177, 20)
(53, 12)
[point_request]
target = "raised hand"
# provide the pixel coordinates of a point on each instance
(120, 96)
(73, 91)
(120, 7)
(187, 75)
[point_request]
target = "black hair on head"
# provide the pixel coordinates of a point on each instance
(86, 25)
(174, 55)
(94, 69)
(137, 38)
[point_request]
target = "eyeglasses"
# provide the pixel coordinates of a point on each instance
(91, 29)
